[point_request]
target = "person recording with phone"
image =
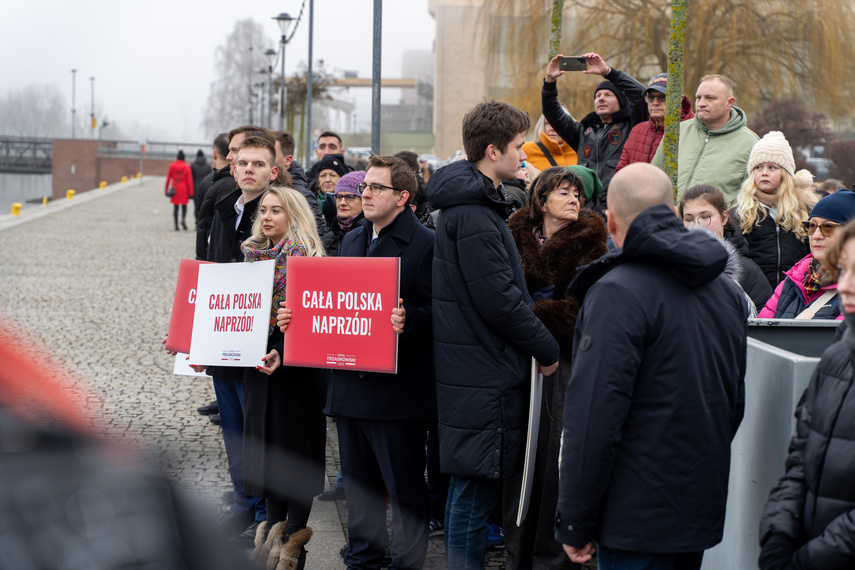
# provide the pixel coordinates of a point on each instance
(599, 137)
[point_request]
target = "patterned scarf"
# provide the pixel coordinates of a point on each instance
(290, 245)
(816, 277)
(345, 223)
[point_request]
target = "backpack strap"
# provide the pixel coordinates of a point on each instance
(546, 153)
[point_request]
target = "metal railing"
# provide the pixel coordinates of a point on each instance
(25, 155)
(154, 150)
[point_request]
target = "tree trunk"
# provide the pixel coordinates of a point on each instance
(675, 90)
(555, 27)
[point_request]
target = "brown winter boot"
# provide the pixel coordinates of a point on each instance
(258, 556)
(293, 554)
(273, 545)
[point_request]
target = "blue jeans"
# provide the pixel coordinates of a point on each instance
(230, 401)
(470, 502)
(611, 559)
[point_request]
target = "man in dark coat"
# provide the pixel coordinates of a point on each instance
(382, 419)
(232, 224)
(200, 168)
(656, 391)
(599, 137)
(285, 161)
(224, 184)
(220, 151)
(485, 333)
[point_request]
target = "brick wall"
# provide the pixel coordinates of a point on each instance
(77, 166)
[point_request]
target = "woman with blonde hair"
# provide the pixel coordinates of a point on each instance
(773, 205)
(284, 427)
(548, 148)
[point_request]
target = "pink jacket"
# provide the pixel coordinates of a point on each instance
(794, 277)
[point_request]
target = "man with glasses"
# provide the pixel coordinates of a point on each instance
(599, 137)
(644, 138)
(382, 419)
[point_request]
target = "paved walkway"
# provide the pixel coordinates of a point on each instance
(93, 279)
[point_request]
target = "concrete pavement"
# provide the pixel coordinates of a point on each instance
(93, 279)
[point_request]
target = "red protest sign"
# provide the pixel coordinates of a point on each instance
(183, 306)
(341, 309)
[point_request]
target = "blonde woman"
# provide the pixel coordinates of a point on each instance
(284, 427)
(772, 207)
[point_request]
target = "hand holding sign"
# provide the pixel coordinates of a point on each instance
(338, 322)
(283, 317)
(399, 315)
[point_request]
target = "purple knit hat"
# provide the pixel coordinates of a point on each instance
(347, 183)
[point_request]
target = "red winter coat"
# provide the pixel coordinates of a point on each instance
(183, 184)
(644, 138)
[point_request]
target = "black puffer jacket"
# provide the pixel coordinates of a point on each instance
(222, 185)
(752, 280)
(598, 145)
(656, 394)
(809, 520)
(774, 249)
(484, 331)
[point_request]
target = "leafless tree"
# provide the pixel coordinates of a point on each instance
(237, 63)
(37, 110)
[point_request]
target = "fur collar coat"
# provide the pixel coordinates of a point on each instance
(556, 263)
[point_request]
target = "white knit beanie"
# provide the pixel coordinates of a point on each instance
(773, 147)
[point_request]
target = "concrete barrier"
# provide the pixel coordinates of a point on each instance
(774, 382)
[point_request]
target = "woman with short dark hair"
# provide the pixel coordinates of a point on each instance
(554, 235)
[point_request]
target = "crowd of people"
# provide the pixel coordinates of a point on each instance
(569, 254)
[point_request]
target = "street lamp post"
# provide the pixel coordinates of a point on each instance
(73, 106)
(284, 21)
(270, 54)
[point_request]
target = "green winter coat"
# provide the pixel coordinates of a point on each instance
(717, 157)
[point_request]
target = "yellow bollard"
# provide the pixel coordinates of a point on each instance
(124, 179)
(139, 174)
(102, 185)
(69, 194)
(44, 202)
(16, 209)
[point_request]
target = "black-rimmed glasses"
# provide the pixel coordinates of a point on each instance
(375, 187)
(346, 197)
(825, 228)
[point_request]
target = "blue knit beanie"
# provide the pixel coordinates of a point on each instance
(838, 207)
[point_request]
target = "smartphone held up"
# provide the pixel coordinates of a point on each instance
(573, 63)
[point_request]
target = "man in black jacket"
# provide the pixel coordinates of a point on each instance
(231, 225)
(221, 170)
(484, 330)
(224, 184)
(599, 137)
(656, 391)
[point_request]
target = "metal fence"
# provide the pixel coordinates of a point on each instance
(25, 155)
(153, 150)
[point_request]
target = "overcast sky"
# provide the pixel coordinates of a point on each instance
(137, 50)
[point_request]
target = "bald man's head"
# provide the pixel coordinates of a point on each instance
(637, 187)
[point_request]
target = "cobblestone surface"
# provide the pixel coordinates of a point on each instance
(93, 281)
